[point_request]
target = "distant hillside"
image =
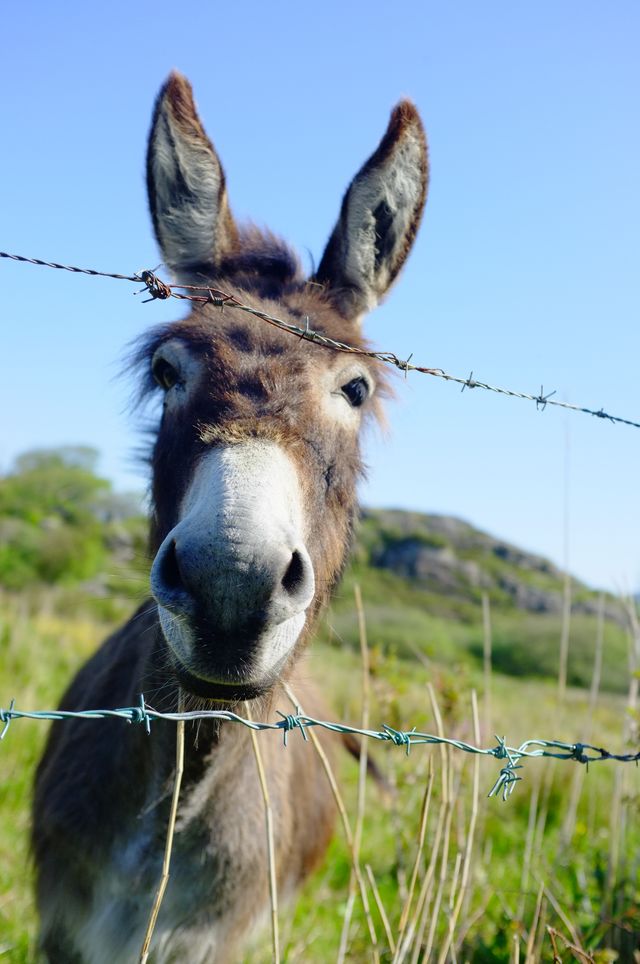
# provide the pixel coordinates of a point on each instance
(423, 578)
(444, 555)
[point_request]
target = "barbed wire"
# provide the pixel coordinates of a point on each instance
(505, 783)
(160, 290)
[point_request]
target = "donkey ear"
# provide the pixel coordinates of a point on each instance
(379, 218)
(186, 185)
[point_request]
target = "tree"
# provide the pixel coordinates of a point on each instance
(49, 525)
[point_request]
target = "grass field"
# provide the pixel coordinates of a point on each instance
(558, 862)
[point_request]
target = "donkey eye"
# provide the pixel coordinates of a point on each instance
(356, 391)
(164, 373)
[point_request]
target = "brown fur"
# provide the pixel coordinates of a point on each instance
(103, 789)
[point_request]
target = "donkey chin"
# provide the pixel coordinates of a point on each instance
(233, 579)
(224, 668)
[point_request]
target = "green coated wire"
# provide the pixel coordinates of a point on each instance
(505, 783)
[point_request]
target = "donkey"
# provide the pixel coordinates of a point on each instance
(254, 467)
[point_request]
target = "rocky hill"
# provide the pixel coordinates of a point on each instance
(445, 555)
(423, 578)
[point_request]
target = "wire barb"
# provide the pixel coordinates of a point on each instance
(506, 782)
(139, 714)
(291, 722)
(399, 737)
(469, 383)
(542, 399)
(155, 287)
(5, 717)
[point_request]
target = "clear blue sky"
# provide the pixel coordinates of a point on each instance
(525, 270)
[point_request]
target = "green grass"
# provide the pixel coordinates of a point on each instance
(39, 653)
(44, 637)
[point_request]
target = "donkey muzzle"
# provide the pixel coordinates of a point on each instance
(233, 579)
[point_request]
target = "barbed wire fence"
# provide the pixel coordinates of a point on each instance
(144, 714)
(585, 753)
(207, 294)
(510, 756)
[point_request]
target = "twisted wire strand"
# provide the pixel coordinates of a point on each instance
(504, 785)
(68, 267)
(206, 294)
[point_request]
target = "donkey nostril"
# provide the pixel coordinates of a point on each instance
(169, 568)
(295, 574)
(168, 583)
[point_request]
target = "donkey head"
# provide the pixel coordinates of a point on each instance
(257, 455)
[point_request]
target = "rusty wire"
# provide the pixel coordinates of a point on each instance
(160, 290)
